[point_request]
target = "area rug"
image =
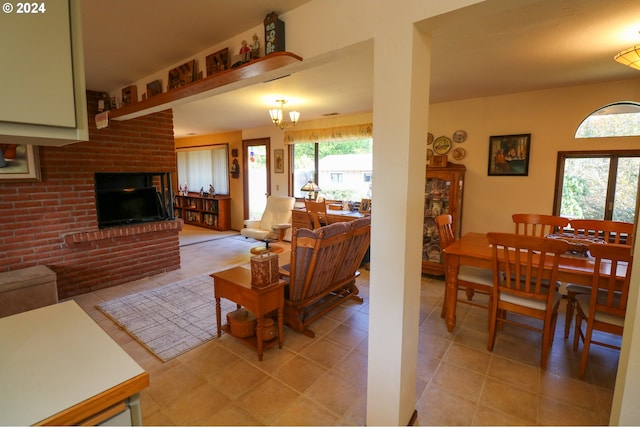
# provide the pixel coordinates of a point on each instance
(171, 319)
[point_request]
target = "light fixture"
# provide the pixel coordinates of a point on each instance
(630, 57)
(312, 188)
(277, 115)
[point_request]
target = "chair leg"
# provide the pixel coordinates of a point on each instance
(569, 315)
(585, 352)
(493, 320)
(577, 330)
(443, 313)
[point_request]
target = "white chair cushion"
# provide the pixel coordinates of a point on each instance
(482, 276)
(528, 302)
(585, 302)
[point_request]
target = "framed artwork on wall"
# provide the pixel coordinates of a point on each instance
(278, 160)
(19, 162)
(509, 155)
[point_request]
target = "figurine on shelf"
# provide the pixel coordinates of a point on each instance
(201, 191)
(212, 191)
(255, 47)
(244, 51)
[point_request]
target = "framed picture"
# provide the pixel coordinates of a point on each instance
(180, 76)
(365, 206)
(509, 154)
(19, 163)
(218, 61)
(278, 160)
(154, 88)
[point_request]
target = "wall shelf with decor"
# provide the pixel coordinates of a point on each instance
(165, 100)
(442, 195)
(210, 212)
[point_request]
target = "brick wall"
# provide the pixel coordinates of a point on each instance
(53, 222)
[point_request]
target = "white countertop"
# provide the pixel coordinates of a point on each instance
(53, 358)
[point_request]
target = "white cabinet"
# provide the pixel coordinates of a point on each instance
(42, 78)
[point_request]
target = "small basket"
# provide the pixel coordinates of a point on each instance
(264, 269)
(269, 330)
(242, 323)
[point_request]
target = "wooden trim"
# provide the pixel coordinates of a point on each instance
(98, 403)
(164, 100)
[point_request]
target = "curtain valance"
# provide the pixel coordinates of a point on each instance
(335, 134)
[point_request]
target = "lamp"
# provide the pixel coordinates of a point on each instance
(277, 115)
(630, 57)
(311, 188)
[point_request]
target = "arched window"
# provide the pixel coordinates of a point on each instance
(601, 184)
(617, 119)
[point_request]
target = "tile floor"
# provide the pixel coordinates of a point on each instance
(322, 381)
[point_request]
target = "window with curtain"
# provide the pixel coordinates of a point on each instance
(339, 160)
(201, 167)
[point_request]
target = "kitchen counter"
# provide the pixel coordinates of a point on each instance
(57, 366)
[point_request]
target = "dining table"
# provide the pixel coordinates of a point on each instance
(473, 249)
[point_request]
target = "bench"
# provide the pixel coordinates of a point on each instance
(27, 289)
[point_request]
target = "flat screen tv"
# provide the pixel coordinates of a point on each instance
(127, 206)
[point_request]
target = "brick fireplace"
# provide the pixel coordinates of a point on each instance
(54, 223)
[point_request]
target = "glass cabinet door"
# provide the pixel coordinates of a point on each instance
(436, 202)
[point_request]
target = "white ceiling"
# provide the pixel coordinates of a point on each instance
(495, 47)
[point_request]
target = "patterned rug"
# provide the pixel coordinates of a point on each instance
(171, 319)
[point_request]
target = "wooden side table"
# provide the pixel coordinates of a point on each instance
(235, 285)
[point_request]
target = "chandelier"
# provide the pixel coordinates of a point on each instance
(630, 57)
(277, 115)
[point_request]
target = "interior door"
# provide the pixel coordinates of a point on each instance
(256, 176)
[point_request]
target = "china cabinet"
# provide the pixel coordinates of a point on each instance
(442, 195)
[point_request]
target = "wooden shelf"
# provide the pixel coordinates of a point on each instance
(165, 100)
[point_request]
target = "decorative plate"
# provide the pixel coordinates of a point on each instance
(460, 136)
(441, 145)
(429, 153)
(429, 138)
(458, 153)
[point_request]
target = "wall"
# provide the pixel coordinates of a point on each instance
(551, 117)
(53, 222)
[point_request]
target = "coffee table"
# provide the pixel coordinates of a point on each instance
(235, 285)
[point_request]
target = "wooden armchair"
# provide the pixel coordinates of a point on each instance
(323, 270)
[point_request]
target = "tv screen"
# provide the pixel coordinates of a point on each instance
(126, 206)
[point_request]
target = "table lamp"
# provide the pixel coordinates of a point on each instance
(311, 188)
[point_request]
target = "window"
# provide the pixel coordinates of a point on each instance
(342, 170)
(597, 185)
(617, 119)
(200, 167)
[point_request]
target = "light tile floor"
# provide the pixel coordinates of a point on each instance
(322, 381)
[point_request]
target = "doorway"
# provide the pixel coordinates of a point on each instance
(256, 176)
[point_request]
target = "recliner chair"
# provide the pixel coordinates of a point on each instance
(275, 221)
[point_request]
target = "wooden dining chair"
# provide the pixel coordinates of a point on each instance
(317, 212)
(538, 224)
(605, 309)
(523, 268)
(470, 279)
(608, 231)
